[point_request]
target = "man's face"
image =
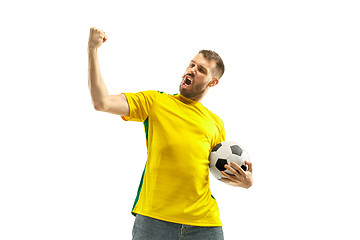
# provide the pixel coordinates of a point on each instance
(197, 78)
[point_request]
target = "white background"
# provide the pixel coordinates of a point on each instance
(289, 95)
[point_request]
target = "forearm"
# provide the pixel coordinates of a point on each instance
(97, 87)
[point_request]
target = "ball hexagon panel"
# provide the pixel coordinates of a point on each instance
(224, 152)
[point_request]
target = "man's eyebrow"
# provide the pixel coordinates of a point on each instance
(200, 66)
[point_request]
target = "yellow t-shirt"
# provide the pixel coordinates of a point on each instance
(180, 134)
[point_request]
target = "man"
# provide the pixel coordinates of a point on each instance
(174, 200)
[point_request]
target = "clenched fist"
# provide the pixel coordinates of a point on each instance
(96, 38)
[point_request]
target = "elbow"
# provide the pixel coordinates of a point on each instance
(100, 107)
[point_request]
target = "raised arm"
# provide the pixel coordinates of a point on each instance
(102, 101)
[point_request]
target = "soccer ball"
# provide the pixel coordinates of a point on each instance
(225, 153)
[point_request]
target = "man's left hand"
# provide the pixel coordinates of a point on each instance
(240, 178)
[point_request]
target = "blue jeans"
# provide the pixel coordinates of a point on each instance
(149, 228)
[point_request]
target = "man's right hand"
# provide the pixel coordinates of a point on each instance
(96, 38)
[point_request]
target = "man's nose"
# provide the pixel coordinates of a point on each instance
(192, 70)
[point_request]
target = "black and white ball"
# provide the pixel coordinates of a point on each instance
(225, 153)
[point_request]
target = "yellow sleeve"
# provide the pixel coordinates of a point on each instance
(140, 105)
(221, 135)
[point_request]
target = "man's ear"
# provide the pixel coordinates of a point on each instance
(214, 82)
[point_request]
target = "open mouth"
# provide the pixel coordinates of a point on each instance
(188, 80)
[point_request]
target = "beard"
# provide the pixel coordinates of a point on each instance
(194, 91)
